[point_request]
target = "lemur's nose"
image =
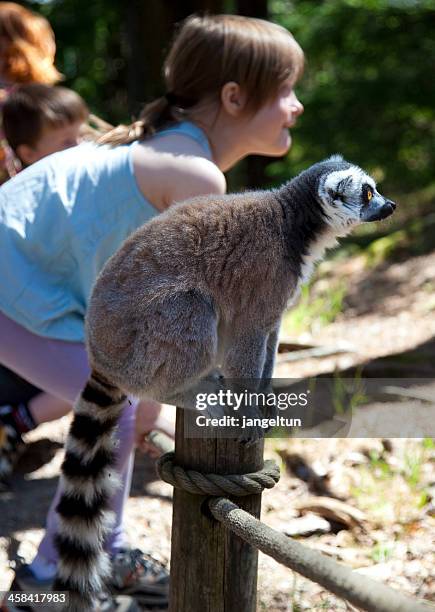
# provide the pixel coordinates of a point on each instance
(386, 210)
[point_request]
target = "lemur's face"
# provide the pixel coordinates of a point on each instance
(349, 196)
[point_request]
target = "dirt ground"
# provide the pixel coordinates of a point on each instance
(389, 315)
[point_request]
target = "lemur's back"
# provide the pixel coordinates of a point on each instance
(226, 249)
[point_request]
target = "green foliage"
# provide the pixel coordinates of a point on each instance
(413, 465)
(381, 552)
(322, 308)
(368, 85)
(368, 88)
(429, 443)
(415, 238)
(378, 463)
(91, 51)
(348, 394)
(384, 248)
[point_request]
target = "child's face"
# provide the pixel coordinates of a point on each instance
(269, 126)
(52, 139)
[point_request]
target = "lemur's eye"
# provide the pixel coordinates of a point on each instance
(369, 194)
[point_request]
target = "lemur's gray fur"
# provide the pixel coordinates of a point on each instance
(201, 286)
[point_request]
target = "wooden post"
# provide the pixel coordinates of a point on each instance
(212, 570)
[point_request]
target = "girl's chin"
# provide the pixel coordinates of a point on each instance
(285, 142)
(279, 148)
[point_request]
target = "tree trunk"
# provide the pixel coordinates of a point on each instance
(150, 30)
(255, 165)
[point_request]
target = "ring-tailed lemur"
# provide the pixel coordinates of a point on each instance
(204, 283)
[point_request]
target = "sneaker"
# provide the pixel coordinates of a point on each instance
(26, 582)
(140, 575)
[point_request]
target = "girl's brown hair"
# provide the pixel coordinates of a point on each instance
(27, 46)
(209, 52)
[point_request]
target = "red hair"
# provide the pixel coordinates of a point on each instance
(27, 46)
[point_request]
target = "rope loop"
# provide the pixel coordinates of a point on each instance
(216, 484)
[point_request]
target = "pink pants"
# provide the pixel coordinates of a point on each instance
(61, 369)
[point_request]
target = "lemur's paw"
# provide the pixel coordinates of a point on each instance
(252, 425)
(251, 434)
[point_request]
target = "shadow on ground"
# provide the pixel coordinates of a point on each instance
(390, 396)
(26, 504)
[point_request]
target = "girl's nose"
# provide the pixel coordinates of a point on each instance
(297, 106)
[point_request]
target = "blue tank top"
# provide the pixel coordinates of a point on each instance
(60, 220)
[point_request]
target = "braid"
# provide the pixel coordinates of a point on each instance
(155, 116)
(123, 134)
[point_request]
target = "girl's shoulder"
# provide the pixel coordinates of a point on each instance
(194, 175)
(176, 165)
(169, 176)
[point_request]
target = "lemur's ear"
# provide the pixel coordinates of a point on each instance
(337, 157)
(334, 195)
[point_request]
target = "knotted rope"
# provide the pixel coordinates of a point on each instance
(216, 484)
(360, 590)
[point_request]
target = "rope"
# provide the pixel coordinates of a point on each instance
(160, 440)
(360, 590)
(216, 484)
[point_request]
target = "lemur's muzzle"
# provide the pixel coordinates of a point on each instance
(378, 208)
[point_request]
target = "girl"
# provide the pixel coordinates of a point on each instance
(229, 94)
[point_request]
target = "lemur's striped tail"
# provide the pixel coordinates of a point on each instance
(89, 481)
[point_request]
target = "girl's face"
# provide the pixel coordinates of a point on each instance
(268, 129)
